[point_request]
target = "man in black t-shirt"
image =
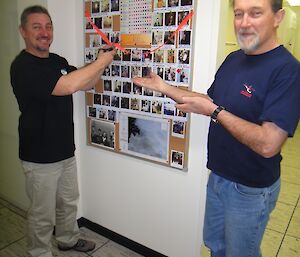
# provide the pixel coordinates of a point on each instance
(43, 84)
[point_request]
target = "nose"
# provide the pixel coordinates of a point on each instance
(245, 22)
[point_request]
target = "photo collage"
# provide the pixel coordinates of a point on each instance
(168, 54)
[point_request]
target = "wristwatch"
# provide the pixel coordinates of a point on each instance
(215, 113)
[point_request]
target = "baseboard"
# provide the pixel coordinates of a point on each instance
(128, 243)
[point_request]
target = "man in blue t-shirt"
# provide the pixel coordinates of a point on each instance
(43, 84)
(254, 107)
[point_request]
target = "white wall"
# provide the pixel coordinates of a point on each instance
(156, 206)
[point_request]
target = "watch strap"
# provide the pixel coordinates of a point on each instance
(215, 113)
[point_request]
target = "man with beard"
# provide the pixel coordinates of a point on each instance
(254, 107)
(43, 84)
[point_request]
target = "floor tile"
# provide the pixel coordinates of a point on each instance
(16, 249)
(112, 249)
(205, 252)
(280, 217)
(289, 193)
(271, 243)
(17, 210)
(291, 159)
(291, 175)
(12, 227)
(3, 202)
(290, 247)
(294, 227)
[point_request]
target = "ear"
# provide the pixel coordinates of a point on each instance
(279, 15)
(22, 31)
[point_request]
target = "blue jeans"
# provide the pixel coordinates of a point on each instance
(236, 217)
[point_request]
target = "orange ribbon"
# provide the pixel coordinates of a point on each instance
(107, 41)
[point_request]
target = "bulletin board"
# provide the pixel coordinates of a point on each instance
(150, 35)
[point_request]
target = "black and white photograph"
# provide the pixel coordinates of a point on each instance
(178, 128)
(97, 99)
(173, 3)
(136, 71)
(170, 18)
(158, 19)
(103, 133)
(169, 39)
(125, 102)
(106, 100)
(136, 55)
(95, 7)
(125, 71)
(184, 56)
(107, 85)
(111, 115)
(115, 101)
(104, 6)
(106, 71)
(157, 37)
(89, 55)
(170, 74)
(102, 113)
(156, 107)
(117, 56)
(126, 56)
(149, 137)
(98, 22)
(115, 70)
(135, 104)
(137, 90)
(92, 112)
(186, 2)
(177, 159)
(126, 87)
(95, 40)
(146, 70)
(147, 92)
(117, 86)
(115, 5)
(169, 109)
(145, 105)
(159, 71)
(185, 37)
(181, 16)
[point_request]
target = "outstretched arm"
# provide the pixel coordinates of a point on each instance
(154, 82)
(266, 139)
(84, 78)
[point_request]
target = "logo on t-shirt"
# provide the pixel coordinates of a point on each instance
(63, 71)
(247, 91)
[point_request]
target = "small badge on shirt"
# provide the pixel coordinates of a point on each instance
(63, 71)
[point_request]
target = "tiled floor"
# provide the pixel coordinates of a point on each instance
(13, 240)
(282, 236)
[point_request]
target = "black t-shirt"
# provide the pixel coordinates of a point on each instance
(46, 128)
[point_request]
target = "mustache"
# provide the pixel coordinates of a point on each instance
(43, 37)
(246, 30)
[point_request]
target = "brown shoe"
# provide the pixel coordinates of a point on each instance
(82, 245)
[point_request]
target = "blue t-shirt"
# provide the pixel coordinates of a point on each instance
(256, 88)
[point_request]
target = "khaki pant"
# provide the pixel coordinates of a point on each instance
(53, 192)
